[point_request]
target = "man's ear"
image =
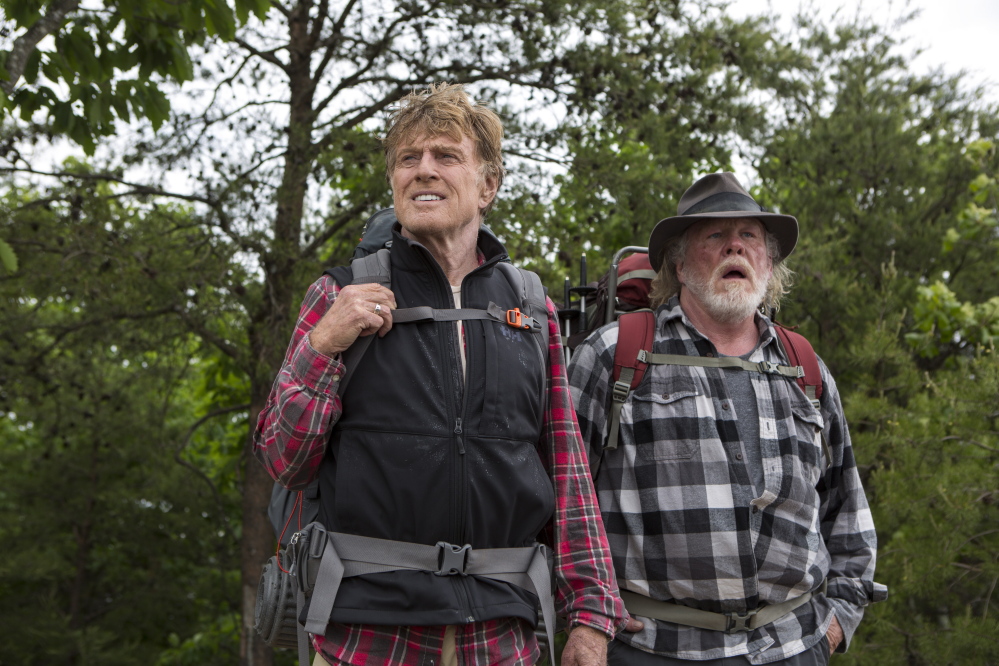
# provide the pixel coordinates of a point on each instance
(679, 273)
(487, 191)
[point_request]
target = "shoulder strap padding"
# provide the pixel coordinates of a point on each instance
(372, 268)
(635, 333)
(800, 352)
(533, 300)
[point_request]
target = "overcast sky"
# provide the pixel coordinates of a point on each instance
(956, 34)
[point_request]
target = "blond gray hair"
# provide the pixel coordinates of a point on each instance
(445, 109)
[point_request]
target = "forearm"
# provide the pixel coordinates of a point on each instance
(294, 425)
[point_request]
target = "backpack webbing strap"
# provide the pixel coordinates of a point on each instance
(730, 623)
(377, 268)
(495, 313)
(636, 331)
(800, 352)
(303, 636)
(764, 367)
(372, 268)
(346, 555)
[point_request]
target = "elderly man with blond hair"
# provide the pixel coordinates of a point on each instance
(456, 432)
(737, 521)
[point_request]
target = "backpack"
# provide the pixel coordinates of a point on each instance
(632, 279)
(624, 294)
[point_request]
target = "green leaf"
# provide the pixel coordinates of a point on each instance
(219, 19)
(7, 257)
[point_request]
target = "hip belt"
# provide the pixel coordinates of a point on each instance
(731, 622)
(323, 559)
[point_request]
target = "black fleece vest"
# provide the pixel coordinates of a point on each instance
(420, 455)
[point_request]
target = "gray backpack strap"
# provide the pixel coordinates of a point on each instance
(372, 268)
(764, 367)
(323, 559)
(493, 313)
(533, 300)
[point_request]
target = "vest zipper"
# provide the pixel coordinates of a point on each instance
(457, 431)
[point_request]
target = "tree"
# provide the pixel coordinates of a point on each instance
(275, 140)
(876, 162)
(892, 177)
(116, 509)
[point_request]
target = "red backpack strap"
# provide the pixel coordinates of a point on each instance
(799, 352)
(635, 332)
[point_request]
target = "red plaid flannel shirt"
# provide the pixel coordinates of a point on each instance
(290, 441)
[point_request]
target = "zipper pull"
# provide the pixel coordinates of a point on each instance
(457, 431)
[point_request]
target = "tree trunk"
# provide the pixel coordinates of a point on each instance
(257, 544)
(269, 328)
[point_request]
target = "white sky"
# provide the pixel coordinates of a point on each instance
(955, 34)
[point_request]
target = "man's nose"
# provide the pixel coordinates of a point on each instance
(427, 168)
(734, 245)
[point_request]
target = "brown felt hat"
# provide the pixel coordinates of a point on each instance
(720, 195)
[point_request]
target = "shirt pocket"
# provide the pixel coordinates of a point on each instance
(665, 418)
(810, 452)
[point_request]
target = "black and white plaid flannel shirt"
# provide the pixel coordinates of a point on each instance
(684, 520)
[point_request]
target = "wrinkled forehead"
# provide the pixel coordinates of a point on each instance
(444, 141)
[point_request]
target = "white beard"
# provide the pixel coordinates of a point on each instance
(728, 301)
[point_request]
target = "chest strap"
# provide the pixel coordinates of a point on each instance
(730, 623)
(632, 357)
(765, 367)
(494, 313)
(323, 559)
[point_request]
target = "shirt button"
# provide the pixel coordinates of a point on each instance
(725, 406)
(336, 377)
(755, 509)
(665, 396)
(710, 355)
(738, 456)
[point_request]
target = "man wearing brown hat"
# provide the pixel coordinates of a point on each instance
(737, 521)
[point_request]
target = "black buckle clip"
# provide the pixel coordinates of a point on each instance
(739, 622)
(452, 559)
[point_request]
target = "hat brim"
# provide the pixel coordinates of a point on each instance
(783, 227)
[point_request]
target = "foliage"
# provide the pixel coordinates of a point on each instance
(274, 140)
(890, 174)
(154, 287)
(133, 510)
(106, 64)
(929, 447)
(876, 163)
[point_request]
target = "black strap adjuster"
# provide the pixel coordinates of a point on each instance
(452, 559)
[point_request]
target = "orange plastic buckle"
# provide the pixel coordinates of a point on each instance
(515, 318)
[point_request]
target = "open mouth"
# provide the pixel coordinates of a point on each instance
(734, 274)
(428, 197)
